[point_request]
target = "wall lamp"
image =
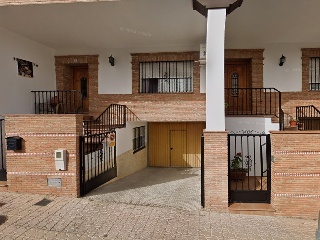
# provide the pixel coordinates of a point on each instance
(111, 60)
(282, 60)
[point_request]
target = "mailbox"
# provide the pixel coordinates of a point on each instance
(14, 143)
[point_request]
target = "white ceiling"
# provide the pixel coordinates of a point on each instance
(153, 23)
(117, 24)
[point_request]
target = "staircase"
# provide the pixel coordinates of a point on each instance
(309, 117)
(96, 130)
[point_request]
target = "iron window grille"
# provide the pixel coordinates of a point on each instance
(166, 77)
(139, 138)
(314, 74)
(234, 84)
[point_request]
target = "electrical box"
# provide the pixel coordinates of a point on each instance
(14, 143)
(60, 158)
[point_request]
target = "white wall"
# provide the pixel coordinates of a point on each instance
(286, 78)
(125, 136)
(255, 124)
(15, 90)
(118, 79)
(115, 79)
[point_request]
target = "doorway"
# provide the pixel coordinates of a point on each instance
(238, 87)
(178, 142)
(80, 83)
(175, 144)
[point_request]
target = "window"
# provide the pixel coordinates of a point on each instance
(234, 84)
(166, 77)
(314, 74)
(139, 139)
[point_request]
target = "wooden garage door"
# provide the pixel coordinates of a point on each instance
(175, 144)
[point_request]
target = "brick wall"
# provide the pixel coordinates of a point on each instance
(148, 107)
(256, 58)
(216, 170)
(29, 169)
(295, 173)
(160, 106)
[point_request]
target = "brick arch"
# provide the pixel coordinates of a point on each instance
(64, 75)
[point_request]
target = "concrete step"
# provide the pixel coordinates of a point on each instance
(264, 209)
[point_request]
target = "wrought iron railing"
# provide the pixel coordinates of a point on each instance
(97, 160)
(249, 169)
(281, 120)
(253, 101)
(308, 117)
(59, 102)
(2, 149)
(114, 116)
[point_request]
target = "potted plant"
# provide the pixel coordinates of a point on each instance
(293, 122)
(238, 168)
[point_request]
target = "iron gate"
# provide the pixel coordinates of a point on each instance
(3, 172)
(97, 160)
(249, 168)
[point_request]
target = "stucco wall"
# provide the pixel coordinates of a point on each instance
(15, 90)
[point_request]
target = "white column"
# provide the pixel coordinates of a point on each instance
(215, 116)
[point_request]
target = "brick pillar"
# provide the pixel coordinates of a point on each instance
(216, 170)
(32, 169)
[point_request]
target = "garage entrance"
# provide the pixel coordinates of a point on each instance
(175, 144)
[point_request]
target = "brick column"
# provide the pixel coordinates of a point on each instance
(32, 169)
(216, 170)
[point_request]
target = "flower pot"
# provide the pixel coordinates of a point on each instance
(237, 175)
(293, 123)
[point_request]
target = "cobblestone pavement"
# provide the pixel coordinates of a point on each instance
(82, 218)
(163, 187)
(154, 203)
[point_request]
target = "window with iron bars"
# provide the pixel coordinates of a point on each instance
(314, 74)
(166, 77)
(139, 138)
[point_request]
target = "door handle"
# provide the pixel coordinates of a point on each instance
(171, 148)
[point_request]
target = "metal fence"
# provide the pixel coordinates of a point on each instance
(308, 117)
(3, 171)
(61, 102)
(98, 160)
(249, 167)
(252, 101)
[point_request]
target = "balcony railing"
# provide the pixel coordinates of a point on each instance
(253, 101)
(59, 102)
(308, 117)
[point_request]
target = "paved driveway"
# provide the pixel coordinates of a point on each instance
(81, 218)
(163, 187)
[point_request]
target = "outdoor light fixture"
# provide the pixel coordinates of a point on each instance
(111, 60)
(282, 60)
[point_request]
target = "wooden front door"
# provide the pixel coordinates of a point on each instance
(238, 87)
(80, 83)
(178, 143)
